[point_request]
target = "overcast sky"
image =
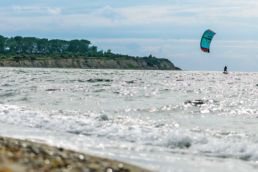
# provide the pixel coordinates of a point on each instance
(165, 28)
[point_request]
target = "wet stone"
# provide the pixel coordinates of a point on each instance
(196, 102)
(43, 158)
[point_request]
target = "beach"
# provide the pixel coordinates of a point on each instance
(26, 156)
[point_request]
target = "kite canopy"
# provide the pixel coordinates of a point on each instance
(206, 40)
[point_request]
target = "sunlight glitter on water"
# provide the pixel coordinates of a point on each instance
(137, 116)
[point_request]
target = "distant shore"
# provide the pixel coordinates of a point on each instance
(21, 51)
(93, 63)
(23, 156)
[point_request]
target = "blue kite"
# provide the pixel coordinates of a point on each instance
(206, 40)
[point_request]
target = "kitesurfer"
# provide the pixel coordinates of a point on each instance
(225, 69)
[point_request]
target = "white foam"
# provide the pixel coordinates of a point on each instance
(137, 116)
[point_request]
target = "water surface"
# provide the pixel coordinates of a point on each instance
(161, 120)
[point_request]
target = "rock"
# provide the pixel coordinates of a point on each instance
(104, 118)
(196, 102)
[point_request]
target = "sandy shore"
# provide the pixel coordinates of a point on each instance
(26, 156)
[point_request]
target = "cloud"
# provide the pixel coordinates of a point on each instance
(221, 12)
(39, 10)
(190, 14)
(54, 11)
(226, 13)
(26, 8)
(109, 13)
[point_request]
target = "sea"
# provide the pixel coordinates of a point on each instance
(178, 121)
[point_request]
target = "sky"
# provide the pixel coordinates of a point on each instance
(166, 28)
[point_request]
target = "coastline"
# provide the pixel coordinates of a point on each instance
(94, 63)
(23, 156)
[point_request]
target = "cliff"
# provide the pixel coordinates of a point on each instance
(56, 53)
(94, 63)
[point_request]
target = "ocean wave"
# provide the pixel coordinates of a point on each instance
(222, 144)
(160, 113)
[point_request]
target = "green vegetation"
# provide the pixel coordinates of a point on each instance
(31, 48)
(35, 52)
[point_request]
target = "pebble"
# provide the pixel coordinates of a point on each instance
(23, 156)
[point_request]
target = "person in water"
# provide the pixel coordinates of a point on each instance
(225, 69)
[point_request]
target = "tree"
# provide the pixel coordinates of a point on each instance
(29, 45)
(2, 44)
(43, 46)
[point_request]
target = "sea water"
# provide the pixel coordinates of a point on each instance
(161, 120)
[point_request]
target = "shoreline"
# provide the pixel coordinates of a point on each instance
(93, 63)
(22, 155)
